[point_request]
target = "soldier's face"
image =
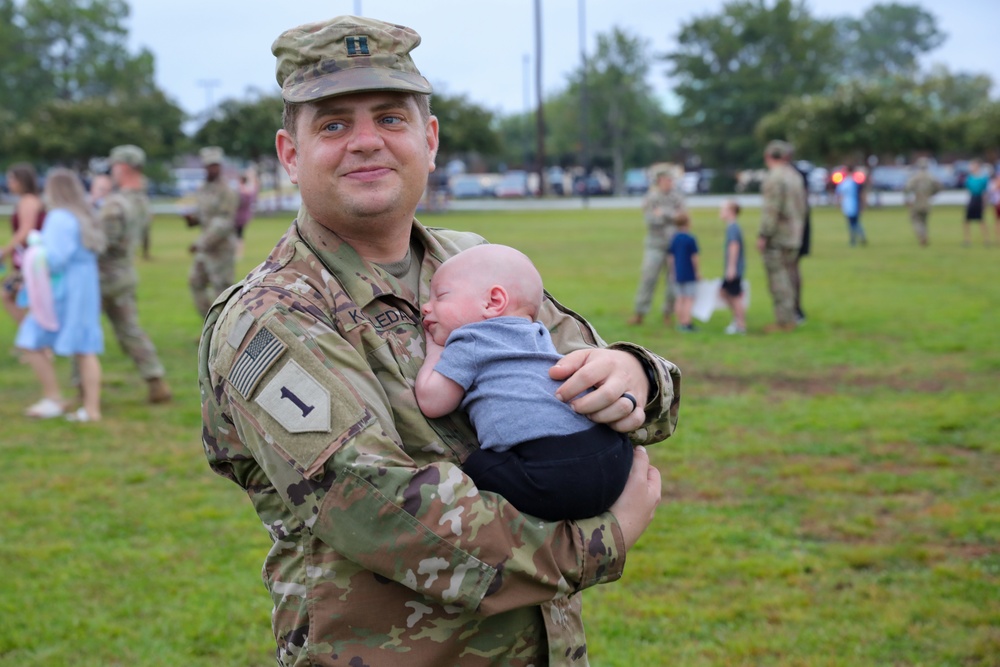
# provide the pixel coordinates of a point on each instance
(361, 159)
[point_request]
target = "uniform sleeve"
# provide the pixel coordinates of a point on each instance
(221, 223)
(113, 219)
(772, 196)
(308, 409)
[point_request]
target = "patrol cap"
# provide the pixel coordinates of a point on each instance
(923, 162)
(347, 54)
(777, 148)
(128, 154)
(211, 155)
(662, 169)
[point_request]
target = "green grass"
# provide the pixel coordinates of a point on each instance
(830, 497)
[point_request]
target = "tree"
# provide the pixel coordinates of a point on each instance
(887, 40)
(69, 87)
(467, 129)
(856, 120)
(625, 123)
(623, 115)
(733, 68)
(244, 128)
(72, 132)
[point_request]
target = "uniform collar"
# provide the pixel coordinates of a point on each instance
(365, 281)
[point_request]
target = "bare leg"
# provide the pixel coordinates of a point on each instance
(17, 314)
(42, 364)
(90, 383)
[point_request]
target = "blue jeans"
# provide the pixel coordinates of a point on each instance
(856, 230)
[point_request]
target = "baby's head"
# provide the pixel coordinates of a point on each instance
(481, 283)
(729, 210)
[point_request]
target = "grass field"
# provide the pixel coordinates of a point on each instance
(831, 496)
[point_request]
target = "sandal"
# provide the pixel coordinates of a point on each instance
(45, 409)
(80, 415)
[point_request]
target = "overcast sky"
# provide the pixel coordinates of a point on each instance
(210, 50)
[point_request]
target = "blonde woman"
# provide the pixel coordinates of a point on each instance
(67, 247)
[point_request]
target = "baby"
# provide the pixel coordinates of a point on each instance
(487, 354)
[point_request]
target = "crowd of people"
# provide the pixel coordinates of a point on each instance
(671, 249)
(72, 256)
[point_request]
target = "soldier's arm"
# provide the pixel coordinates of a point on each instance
(769, 207)
(320, 426)
(112, 216)
(222, 224)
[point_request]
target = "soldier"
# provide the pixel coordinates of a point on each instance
(660, 208)
(783, 210)
(919, 189)
(214, 267)
(384, 552)
(124, 214)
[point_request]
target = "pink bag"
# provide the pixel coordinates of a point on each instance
(38, 284)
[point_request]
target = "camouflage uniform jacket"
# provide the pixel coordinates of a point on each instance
(124, 215)
(783, 207)
(660, 210)
(216, 213)
(384, 552)
(919, 189)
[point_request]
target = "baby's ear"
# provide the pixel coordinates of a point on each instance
(497, 300)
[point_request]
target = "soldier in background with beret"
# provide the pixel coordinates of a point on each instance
(783, 210)
(384, 552)
(214, 267)
(125, 213)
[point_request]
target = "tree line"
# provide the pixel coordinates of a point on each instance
(840, 89)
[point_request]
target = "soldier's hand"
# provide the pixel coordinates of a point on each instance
(761, 243)
(637, 504)
(610, 374)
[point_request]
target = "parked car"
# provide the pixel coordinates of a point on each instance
(466, 186)
(512, 184)
(889, 178)
(705, 178)
(636, 182)
(593, 185)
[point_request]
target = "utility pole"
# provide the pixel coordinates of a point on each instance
(540, 120)
(584, 121)
(208, 85)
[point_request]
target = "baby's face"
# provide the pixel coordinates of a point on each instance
(454, 301)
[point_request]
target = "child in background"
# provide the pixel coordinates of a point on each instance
(487, 354)
(683, 259)
(732, 281)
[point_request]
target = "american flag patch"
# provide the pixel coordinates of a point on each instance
(253, 362)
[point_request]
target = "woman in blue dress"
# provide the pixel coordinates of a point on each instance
(68, 244)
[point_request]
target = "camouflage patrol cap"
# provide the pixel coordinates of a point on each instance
(662, 169)
(211, 155)
(346, 54)
(128, 154)
(779, 149)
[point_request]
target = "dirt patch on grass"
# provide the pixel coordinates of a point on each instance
(833, 381)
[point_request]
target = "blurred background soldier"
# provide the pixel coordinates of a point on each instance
(661, 207)
(919, 189)
(124, 215)
(214, 267)
(783, 211)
